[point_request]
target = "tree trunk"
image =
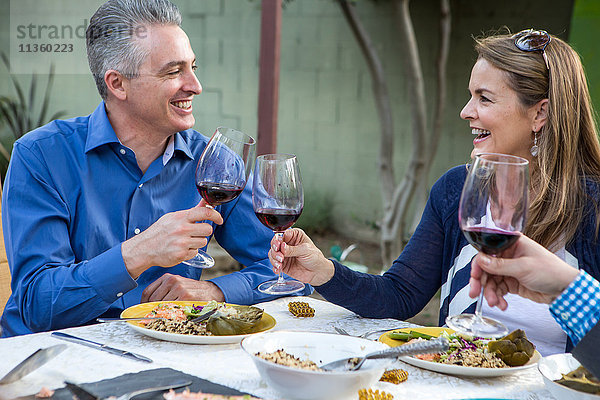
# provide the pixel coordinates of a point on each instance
(393, 226)
(397, 198)
(432, 145)
(382, 101)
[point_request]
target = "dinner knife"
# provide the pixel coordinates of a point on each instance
(33, 362)
(100, 346)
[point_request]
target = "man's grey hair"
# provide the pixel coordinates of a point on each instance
(112, 33)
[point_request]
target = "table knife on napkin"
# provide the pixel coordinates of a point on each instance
(100, 346)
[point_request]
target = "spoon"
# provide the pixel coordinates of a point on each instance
(436, 345)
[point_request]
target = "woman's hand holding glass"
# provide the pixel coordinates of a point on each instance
(278, 200)
(296, 255)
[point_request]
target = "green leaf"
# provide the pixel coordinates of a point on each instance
(5, 153)
(4, 110)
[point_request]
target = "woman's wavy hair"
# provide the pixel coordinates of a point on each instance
(569, 151)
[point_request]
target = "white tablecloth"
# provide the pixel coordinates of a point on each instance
(229, 365)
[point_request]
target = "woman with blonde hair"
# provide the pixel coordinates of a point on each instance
(566, 145)
(529, 98)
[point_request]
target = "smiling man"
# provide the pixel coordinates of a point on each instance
(101, 210)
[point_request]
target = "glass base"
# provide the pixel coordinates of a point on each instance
(473, 325)
(200, 260)
(276, 287)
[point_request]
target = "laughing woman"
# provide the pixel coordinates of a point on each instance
(529, 98)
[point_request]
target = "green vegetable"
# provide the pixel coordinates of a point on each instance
(582, 380)
(406, 336)
(211, 305)
(190, 312)
(514, 349)
(234, 320)
(421, 335)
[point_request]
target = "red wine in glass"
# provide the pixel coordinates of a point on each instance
(277, 219)
(489, 240)
(222, 172)
(278, 200)
(492, 213)
(216, 194)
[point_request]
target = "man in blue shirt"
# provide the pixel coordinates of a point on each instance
(100, 211)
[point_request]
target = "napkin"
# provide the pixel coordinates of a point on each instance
(140, 380)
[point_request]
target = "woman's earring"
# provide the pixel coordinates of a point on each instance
(534, 149)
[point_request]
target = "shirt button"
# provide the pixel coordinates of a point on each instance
(119, 294)
(122, 151)
(136, 230)
(141, 184)
(564, 316)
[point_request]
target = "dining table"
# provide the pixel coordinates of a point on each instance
(229, 365)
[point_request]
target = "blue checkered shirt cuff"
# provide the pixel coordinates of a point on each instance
(577, 309)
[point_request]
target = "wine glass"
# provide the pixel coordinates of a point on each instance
(492, 212)
(222, 173)
(278, 199)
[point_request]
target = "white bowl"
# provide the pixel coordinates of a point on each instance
(551, 368)
(321, 348)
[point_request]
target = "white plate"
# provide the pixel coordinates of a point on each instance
(453, 369)
(266, 323)
(321, 348)
(552, 367)
(469, 371)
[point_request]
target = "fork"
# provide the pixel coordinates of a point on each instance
(175, 385)
(365, 335)
(82, 394)
(378, 332)
(204, 316)
(341, 331)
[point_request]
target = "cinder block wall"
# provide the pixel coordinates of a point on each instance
(326, 113)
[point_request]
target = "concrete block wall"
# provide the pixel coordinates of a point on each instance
(327, 115)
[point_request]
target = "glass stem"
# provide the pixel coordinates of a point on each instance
(480, 298)
(280, 280)
(478, 306)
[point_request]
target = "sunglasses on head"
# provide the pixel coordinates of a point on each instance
(533, 40)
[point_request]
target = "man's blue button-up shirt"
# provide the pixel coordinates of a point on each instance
(73, 193)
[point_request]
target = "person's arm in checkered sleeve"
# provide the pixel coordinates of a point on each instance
(531, 271)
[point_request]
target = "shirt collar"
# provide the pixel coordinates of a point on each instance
(101, 132)
(180, 143)
(168, 151)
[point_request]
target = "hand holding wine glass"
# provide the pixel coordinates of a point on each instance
(278, 200)
(526, 268)
(221, 175)
(492, 213)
